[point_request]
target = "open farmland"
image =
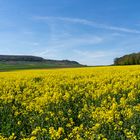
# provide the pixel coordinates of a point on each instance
(71, 104)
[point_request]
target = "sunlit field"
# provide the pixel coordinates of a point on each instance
(96, 103)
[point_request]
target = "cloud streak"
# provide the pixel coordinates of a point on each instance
(96, 57)
(96, 54)
(75, 41)
(57, 45)
(88, 23)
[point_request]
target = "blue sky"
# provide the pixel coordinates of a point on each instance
(91, 32)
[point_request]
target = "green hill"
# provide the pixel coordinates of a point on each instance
(129, 59)
(14, 62)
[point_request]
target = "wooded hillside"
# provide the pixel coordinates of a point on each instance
(130, 59)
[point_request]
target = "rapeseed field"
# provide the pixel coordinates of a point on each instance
(95, 103)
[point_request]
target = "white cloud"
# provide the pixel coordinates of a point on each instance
(75, 41)
(56, 47)
(96, 54)
(88, 23)
(95, 57)
(49, 53)
(65, 41)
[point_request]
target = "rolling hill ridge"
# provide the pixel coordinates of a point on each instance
(13, 62)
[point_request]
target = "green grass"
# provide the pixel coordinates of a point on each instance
(5, 66)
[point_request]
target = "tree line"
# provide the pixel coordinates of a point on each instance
(20, 58)
(130, 59)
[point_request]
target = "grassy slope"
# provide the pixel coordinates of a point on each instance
(30, 65)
